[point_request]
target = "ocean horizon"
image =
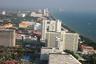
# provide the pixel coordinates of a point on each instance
(83, 23)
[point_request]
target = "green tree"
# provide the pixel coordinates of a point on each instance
(94, 58)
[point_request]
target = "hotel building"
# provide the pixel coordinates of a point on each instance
(7, 38)
(69, 41)
(51, 38)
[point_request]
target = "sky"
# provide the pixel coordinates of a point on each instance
(68, 5)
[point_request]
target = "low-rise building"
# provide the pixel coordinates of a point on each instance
(34, 14)
(37, 26)
(10, 62)
(20, 36)
(8, 25)
(1, 21)
(21, 14)
(25, 24)
(87, 49)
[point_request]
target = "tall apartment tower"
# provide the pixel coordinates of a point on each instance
(44, 30)
(52, 26)
(46, 12)
(62, 40)
(52, 41)
(55, 26)
(58, 26)
(7, 38)
(69, 41)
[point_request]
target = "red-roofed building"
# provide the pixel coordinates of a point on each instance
(87, 49)
(10, 62)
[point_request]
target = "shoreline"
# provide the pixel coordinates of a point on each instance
(81, 22)
(86, 40)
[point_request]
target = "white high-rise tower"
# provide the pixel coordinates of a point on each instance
(46, 12)
(52, 26)
(69, 41)
(44, 30)
(58, 26)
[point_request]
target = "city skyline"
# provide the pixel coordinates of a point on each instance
(29, 37)
(67, 5)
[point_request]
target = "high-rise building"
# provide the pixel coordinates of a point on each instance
(69, 41)
(52, 25)
(44, 30)
(7, 38)
(55, 25)
(58, 26)
(46, 12)
(62, 40)
(61, 44)
(52, 41)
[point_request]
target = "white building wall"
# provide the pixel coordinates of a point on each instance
(7, 38)
(37, 26)
(46, 12)
(58, 26)
(71, 41)
(52, 39)
(44, 30)
(34, 14)
(52, 26)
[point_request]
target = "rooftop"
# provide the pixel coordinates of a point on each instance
(59, 58)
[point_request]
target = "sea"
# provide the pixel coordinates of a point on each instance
(83, 23)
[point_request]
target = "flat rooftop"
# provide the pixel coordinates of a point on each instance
(62, 58)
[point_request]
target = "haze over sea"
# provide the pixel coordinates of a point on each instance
(82, 22)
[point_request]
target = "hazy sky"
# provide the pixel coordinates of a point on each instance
(66, 4)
